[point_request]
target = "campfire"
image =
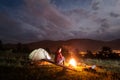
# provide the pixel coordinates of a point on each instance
(72, 62)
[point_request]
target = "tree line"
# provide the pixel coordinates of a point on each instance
(104, 53)
(17, 48)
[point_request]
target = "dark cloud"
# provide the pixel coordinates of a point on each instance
(104, 26)
(40, 19)
(108, 35)
(11, 30)
(67, 5)
(48, 12)
(79, 34)
(95, 5)
(11, 3)
(8, 24)
(115, 15)
(32, 20)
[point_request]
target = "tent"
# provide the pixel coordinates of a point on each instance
(39, 54)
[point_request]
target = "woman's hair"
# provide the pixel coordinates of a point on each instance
(58, 49)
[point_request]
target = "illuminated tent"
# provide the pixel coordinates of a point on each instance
(39, 54)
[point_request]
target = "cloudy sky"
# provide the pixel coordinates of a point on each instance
(35, 20)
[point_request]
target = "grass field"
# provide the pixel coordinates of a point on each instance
(17, 67)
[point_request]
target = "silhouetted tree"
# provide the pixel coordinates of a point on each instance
(25, 49)
(106, 53)
(19, 48)
(89, 54)
(1, 45)
(114, 56)
(48, 50)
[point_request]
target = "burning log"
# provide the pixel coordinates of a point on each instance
(64, 67)
(72, 62)
(72, 65)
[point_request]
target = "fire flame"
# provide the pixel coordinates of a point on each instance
(72, 62)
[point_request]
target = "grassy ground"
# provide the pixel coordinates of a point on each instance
(16, 68)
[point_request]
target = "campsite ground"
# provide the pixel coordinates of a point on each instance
(17, 67)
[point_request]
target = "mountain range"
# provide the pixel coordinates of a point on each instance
(76, 44)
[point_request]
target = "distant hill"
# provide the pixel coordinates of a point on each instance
(73, 44)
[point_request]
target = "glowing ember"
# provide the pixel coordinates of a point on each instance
(72, 62)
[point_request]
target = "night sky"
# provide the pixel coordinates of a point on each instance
(35, 20)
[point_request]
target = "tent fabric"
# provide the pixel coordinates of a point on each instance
(39, 54)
